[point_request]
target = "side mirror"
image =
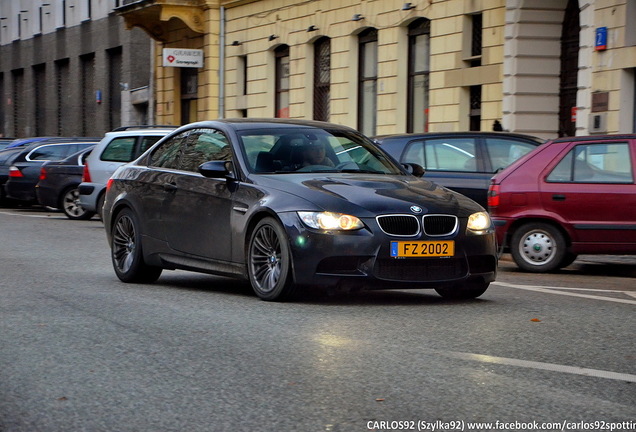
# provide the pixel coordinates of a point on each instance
(415, 169)
(215, 169)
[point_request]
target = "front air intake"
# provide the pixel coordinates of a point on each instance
(439, 225)
(399, 225)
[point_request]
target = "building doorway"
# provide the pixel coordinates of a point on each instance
(569, 69)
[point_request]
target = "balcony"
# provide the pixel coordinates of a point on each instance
(154, 16)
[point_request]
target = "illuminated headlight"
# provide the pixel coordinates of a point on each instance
(330, 221)
(479, 222)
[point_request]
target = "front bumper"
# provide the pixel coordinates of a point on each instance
(361, 259)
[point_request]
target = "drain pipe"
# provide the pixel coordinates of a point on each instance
(222, 65)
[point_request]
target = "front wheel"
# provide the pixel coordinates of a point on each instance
(126, 253)
(538, 247)
(269, 261)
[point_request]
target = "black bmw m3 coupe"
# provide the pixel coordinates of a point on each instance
(289, 204)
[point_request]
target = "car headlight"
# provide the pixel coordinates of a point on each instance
(330, 221)
(479, 222)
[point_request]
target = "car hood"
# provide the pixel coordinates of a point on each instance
(369, 194)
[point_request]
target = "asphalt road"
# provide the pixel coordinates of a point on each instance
(80, 351)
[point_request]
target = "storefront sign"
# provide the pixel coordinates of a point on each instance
(181, 57)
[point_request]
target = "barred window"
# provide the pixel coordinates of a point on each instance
(322, 78)
(419, 68)
(282, 82)
(367, 81)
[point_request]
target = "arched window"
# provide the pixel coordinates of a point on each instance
(367, 81)
(322, 78)
(282, 82)
(419, 68)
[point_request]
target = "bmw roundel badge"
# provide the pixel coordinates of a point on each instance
(416, 209)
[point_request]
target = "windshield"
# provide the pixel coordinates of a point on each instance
(306, 150)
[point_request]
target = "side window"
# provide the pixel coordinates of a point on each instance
(50, 152)
(203, 145)
(167, 154)
(502, 152)
(147, 142)
(595, 163)
(444, 154)
(119, 150)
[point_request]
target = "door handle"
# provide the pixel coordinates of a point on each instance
(169, 187)
(558, 197)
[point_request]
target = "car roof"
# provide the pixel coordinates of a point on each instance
(594, 138)
(150, 130)
(23, 142)
(459, 134)
(255, 123)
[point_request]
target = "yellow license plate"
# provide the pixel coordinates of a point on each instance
(415, 249)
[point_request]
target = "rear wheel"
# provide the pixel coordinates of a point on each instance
(126, 251)
(269, 261)
(70, 205)
(538, 247)
(469, 290)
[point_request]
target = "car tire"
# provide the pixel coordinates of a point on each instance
(466, 291)
(69, 203)
(269, 261)
(538, 247)
(126, 250)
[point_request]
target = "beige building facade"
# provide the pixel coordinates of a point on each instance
(543, 67)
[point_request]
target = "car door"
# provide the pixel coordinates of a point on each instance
(454, 162)
(196, 212)
(592, 188)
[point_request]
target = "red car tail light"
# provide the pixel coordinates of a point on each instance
(86, 175)
(493, 195)
(15, 172)
(42, 174)
(109, 183)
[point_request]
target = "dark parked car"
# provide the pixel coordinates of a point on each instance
(24, 169)
(5, 141)
(571, 196)
(58, 185)
(461, 161)
(240, 198)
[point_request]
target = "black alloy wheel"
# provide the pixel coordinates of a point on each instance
(269, 261)
(70, 205)
(126, 253)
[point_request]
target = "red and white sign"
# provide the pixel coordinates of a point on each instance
(182, 57)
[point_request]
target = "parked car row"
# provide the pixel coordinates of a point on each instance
(50, 170)
(21, 160)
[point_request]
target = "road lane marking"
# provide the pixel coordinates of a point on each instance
(563, 291)
(44, 216)
(540, 365)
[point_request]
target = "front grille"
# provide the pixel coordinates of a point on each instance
(439, 225)
(420, 270)
(399, 225)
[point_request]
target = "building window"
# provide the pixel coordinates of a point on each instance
(475, 108)
(189, 89)
(322, 78)
(39, 84)
(367, 81)
(88, 93)
(282, 82)
(419, 68)
(62, 72)
(473, 38)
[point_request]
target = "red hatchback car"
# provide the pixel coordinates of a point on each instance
(570, 196)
